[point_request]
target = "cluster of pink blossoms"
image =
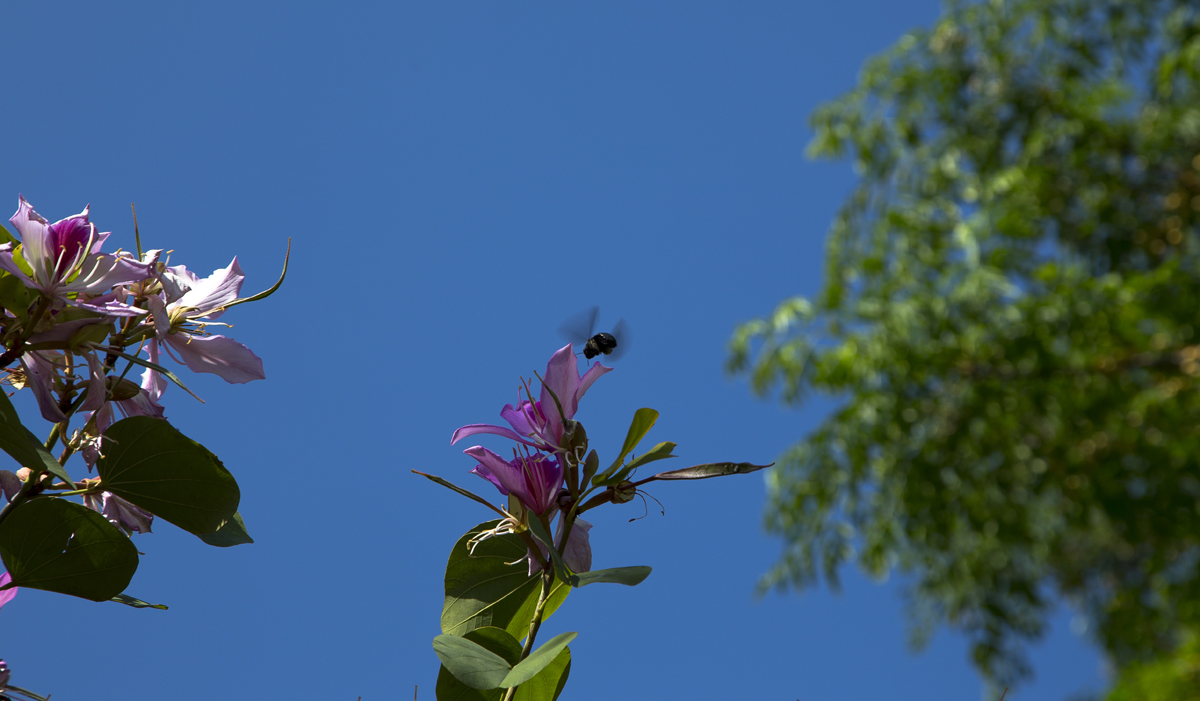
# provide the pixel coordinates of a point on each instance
(82, 310)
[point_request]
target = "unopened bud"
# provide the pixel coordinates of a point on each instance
(575, 439)
(623, 492)
(10, 484)
(121, 389)
(590, 466)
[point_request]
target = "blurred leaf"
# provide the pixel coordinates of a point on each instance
(55, 545)
(151, 464)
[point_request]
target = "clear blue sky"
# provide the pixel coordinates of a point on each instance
(457, 179)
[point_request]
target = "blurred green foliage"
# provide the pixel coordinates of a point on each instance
(1010, 324)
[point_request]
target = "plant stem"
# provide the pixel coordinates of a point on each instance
(18, 348)
(535, 624)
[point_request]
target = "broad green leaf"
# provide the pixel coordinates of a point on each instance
(471, 663)
(154, 466)
(484, 590)
(538, 660)
(7, 237)
(629, 576)
(495, 640)
(55, 545)
(716, 469)
(136, 603)
(548, 683)
(643, 421)
(661, 451)
(233, 532)
(23, 446)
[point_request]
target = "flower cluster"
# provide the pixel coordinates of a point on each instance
(85, 317)
(535, 474)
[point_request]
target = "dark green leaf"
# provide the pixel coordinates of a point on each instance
(470, 663)
(629, 576)
(136, 603)
(233, 532)
(643, 421)
(486, 591)
(151, 464)
(23, 446)
(538, 660)
(60, 546)
(716, 469)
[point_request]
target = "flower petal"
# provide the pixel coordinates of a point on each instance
(506, 474)
(39, 376)
(220, 288)
(476, 429)
(8, 594)
(578, 553)
(224, 357)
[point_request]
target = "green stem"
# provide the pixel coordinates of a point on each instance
(535, 624)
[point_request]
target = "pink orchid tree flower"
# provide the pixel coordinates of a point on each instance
(533, 479)
(539, 424)
(185, 307)
(65, 262)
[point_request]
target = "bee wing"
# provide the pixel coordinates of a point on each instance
(624, 340)
(581, 326)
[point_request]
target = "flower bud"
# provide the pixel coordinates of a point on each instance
(590, 466)
(623, 492)
(121, 389)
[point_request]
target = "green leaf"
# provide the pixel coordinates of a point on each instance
(471, 663)
(7, 237)
(629, 576)
(495, 640)
(153, 465)
(233, 532)
(23, 446)
(538, 660)
(484, 590)
(715, 469)
(548, 683)
(136, 603)
(55, 545)
(661, 451)
(643, 420)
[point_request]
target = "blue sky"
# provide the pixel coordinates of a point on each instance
(457, 179)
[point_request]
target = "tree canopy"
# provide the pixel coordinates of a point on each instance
(1010, 325)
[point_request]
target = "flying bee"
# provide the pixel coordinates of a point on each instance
(581, 329)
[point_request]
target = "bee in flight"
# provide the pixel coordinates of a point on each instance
(581, 329)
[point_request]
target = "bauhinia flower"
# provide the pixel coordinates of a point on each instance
(119, 512)
(185, 307)
(64, 258)
(533, 479)
(539, 424)
(44, 373)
